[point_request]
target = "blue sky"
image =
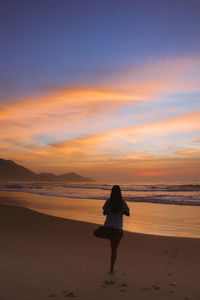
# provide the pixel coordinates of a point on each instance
(43, 42)
(97, 71)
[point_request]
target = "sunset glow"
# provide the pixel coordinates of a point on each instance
(111, 111)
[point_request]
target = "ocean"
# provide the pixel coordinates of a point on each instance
(177, 194)
(160, 209)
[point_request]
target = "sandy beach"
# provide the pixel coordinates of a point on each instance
(145, 218)
(45, 257)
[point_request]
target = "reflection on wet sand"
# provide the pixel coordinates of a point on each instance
(158, 219)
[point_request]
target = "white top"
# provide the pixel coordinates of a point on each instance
(115, 220)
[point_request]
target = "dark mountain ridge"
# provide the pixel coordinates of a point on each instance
(10, 171)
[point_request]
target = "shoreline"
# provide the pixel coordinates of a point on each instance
(44, 257)
(147, 218)
(151, 201)
(142, 235)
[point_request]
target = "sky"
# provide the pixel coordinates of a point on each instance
(108, 89)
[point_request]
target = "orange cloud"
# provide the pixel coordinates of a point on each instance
(179, 124)
(85, 116)
(188, 152)
(168, 76)
(102, 146)
(56, 111)
(62, 103)
(129, 85)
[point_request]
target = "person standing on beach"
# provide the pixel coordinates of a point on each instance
(114, 209)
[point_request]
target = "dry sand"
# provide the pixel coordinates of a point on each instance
(44, 257)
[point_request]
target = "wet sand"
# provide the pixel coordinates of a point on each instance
(45, 257)
(147, 218)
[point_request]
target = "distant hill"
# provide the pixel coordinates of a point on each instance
(9, 170)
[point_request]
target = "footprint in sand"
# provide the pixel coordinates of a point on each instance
(123, 285)
(172, 283)
(109, 282)
(71, 294)
(156, 287)
(68, 294)
(145, 289)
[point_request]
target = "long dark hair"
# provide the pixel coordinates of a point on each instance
(115, 201)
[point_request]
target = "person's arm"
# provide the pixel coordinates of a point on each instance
(105, 208)
(126, 210)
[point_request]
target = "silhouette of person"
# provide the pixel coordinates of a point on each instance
(114, 209)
